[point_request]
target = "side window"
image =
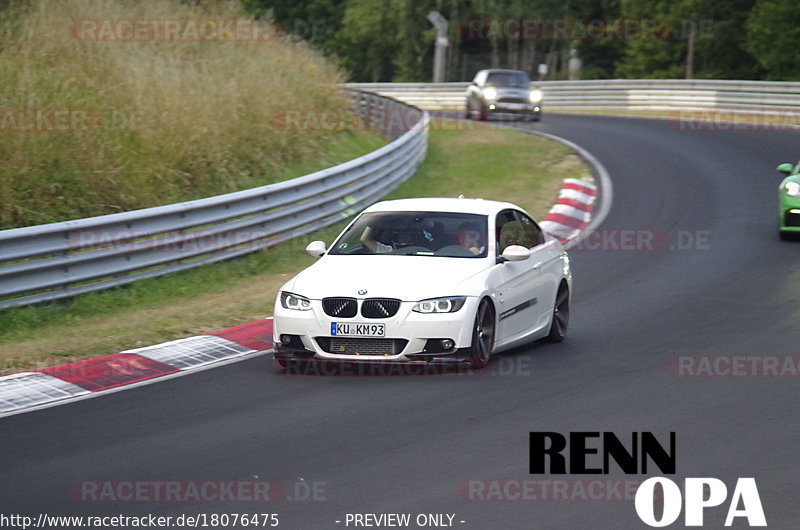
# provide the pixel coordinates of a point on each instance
(516, 228)
(531, 234)
(506, 230)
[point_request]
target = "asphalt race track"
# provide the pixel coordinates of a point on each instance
(412, 444)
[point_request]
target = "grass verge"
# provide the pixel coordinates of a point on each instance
(96, 118)
(474, 160)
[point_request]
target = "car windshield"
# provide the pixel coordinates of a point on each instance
(511, 79)
(452, 235)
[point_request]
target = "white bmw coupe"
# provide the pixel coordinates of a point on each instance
(426, 280)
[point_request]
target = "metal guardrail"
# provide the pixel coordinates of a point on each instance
(57, 260)
(616, 94)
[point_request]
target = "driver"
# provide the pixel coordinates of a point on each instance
(469, 237)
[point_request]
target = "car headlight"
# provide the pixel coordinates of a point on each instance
(489, 93)
(792, 189)
(450, 304)
(536, 95)
(293, 301)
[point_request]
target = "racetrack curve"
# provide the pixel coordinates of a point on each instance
(404, 444)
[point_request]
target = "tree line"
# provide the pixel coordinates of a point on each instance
(392, 40)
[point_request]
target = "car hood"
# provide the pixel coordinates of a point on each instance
(408, 278)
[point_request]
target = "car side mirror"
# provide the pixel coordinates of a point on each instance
(316, 248)
(516, 253)
(786, 169)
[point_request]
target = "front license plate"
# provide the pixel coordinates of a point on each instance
(354, 329)
(515, 106)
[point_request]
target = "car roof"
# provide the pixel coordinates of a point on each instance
(442, 204)
(505, 71)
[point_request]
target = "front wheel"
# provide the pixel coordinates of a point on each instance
(560, 322)
(482, 336)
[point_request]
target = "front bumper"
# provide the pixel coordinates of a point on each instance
(409, 337)
(500, 107)
(789, 213)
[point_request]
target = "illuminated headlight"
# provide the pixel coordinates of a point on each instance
(293, 301)
(489, 93)
(440, 305)
(536, 95)
(792, 189)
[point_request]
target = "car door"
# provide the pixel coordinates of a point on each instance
(546, 263)
(520, 288)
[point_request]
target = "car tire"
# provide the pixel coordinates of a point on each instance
(483, 114)
(785, 235)
(468, 113)
(560, 321)
(482, 336)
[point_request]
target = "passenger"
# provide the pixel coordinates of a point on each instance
(402, 238)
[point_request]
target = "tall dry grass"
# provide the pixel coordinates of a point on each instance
(180, 120)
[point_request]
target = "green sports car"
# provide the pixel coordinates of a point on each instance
(789, 202)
